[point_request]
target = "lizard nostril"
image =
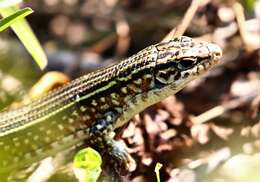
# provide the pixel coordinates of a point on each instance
(218, 54)
(215, 50)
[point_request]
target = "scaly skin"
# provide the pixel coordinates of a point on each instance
(92, 105)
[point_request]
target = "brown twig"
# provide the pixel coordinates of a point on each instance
(181, 28)
(221, 109)
(48, 82)
(103, 44)
(123, 37)
(240, 17)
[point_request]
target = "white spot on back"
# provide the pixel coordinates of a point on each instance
(71, 120)
(77, 98)
(36, 137)
(61, 127)
(26, 141)
(83, 108)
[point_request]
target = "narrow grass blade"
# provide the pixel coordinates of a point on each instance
(6, 22)
(26, 35)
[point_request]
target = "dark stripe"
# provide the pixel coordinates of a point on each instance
(115, 88)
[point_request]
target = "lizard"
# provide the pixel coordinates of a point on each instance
(92, 106)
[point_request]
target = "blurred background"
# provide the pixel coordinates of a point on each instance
(210, 131)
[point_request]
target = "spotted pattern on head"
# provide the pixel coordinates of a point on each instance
(184, 58)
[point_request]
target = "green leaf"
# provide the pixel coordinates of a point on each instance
(7, 3)
(4, 23)
(87, 165)
(23, 30)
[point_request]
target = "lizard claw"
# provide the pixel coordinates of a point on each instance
(122, 160)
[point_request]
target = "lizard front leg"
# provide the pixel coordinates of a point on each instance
(115, 152)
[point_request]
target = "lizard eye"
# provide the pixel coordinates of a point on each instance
(186, 63)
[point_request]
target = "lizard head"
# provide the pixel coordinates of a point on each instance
(183, 59)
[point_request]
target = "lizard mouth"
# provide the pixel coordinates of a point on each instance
(215, 53)
(207, 63)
